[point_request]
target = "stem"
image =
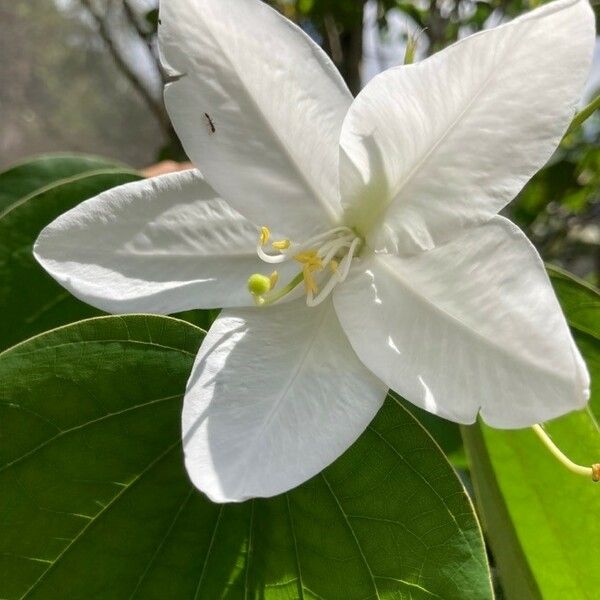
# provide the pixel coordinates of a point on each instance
(593, 472)
(271, 298)
(584, 114)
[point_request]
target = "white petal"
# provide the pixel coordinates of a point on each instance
(431, 148)
(275, 396)
(276, 104)
(159, 245)
(473, 324)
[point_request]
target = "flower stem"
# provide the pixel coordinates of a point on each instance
(584, 114)
(593, 471)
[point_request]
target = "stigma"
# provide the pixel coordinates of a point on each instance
(324, 262)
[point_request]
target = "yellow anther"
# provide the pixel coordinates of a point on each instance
(281, 245)
(311, 262)
(310, 285)
(333, 266)
(265, 234)
(274, 279)
(310, 258)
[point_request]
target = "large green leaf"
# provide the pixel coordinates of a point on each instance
(30, 300)
(553, 512)
(95, 504)
(28, 176)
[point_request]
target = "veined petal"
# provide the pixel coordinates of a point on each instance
(275, 396)
(159, 245)
(259, 109)
(472, 325)
(432, 148)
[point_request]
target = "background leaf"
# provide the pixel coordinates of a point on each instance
(554, 528)
(30, 300)
(35, 173)
(94, 502)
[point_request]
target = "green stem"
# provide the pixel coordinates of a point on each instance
(272, 297)
(584, 114)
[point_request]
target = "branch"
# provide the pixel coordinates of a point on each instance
(146, 36)
(155, 106)
(133, 20)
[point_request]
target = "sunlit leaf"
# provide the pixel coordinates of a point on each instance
(555, 529)
(32, 174)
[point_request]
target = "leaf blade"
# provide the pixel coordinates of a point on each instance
(106, 509)
(549, 507)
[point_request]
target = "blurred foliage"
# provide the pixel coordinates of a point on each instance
(61, 91)
(559, 209)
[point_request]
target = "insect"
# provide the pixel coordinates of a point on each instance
(209, 122)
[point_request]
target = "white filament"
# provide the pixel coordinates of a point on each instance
(328, 246)
(340, 275)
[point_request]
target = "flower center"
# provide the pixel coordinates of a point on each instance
(324, 259)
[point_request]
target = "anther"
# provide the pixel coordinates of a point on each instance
(265, 234)
(281, 245)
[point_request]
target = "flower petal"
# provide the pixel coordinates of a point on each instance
(473, 324)
(259, 109)
(275, 396)
(159, 245)
(431, 148)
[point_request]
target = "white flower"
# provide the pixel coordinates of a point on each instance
(443, 301)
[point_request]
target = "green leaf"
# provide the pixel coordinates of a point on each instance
(95, 503)
(532, 506)
(446, 433)
(28, 176)
(30, 300)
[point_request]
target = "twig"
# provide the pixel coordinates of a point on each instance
(155, 106)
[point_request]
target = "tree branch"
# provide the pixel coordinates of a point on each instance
(155, 106)
(133, 20)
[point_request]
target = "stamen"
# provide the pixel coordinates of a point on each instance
(322, 237)
(268, 258)
(274, 279)
(281, 245)
(337, 277)
(265, 234)
(333, 249)
(310, 261)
